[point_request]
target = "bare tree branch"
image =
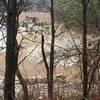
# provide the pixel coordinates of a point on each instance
(43, 53)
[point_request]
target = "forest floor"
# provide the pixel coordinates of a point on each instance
(29, 68)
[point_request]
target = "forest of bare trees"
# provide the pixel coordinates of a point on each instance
(49, 49)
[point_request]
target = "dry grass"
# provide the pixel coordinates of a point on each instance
(39, 15)
(29, 69)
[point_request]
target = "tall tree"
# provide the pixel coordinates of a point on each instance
(11, 64)
(50, 67)
(14, 9)
(84, 54)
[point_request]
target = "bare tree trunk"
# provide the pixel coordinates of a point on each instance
(24, 84)
(20, 77)
(12, 52)
(11, 64)
(50, 92)
(46, 65)
(84, 55)
(50, 68)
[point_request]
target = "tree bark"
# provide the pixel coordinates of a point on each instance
(20, 77)
(24, 84)
(50, 94)
(50, 67)
(11, 64)
(84, 55)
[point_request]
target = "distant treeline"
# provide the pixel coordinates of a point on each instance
(34, 5)
(37, 5)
